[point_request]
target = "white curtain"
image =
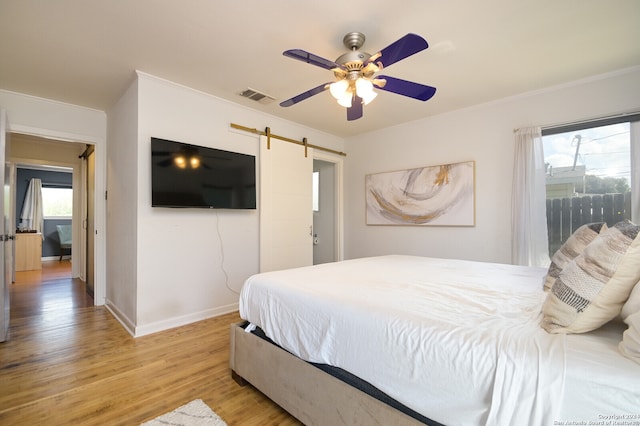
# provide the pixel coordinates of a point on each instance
(635, 171)
(529, 221)
(32, 216)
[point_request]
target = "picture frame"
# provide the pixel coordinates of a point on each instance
(441, 195)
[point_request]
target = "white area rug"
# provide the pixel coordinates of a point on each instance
(195, 413)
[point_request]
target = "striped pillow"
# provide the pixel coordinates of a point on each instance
(593, 287)
(571, 249)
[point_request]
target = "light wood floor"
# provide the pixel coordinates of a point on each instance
(68, 362)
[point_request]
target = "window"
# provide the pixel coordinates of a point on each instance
(588, 176)
(57, 203)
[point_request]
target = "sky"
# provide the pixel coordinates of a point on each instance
(605, 151)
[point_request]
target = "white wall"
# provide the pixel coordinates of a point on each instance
(122, 208)
(53, 119)
(485, 134)
(192, 262)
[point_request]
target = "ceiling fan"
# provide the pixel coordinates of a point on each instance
(355, 73)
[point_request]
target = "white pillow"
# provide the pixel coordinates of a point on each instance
(632, 305)
(592, 288)
(572, 248)
(630, 345)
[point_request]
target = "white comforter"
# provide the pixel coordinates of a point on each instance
(456, 341)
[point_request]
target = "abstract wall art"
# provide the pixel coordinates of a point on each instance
(442, 195)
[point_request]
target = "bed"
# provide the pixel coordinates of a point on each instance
(424, 341)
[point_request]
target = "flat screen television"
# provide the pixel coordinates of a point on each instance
(184, 175)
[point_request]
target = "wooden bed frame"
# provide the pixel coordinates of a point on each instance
(306, 392)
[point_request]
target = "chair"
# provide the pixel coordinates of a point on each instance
(64, 235)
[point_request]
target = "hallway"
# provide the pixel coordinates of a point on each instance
(49, 292)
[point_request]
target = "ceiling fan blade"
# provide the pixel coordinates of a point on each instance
(310, 58)
(399, 49)
(407, 88)
(305, 95)
(355, 111)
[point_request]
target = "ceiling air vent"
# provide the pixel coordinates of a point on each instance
(254, 95)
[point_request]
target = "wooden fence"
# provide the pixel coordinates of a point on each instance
(565, 215)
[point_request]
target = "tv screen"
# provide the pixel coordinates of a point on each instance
(184, 175)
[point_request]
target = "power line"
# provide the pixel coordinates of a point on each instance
(605, 137)
(605, 153)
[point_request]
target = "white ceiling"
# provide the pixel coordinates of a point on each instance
(85, 52)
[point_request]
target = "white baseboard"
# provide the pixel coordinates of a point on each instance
(169, 323)
(121, 317)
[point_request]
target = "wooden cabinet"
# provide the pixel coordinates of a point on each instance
(28, 251)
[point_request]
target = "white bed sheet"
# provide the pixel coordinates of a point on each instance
(601, 385)
(457, 341)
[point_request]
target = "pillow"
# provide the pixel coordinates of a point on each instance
(633, 303)
(630, 345)
(572, 248)
(592, 288)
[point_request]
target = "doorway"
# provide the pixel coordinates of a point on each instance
(327, 210)
(49, 155)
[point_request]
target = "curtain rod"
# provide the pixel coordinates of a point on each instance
(269, 135)
(53, 184)
(617, 118)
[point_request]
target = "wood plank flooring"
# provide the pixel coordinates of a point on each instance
(68, 362)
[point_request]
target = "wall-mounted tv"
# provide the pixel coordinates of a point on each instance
(184, 175)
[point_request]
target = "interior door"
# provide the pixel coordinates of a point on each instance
(91, 228)
(324, 226)
(6, 234)
(286, 206)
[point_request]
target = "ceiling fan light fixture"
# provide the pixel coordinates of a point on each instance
(355, 71)
(364, 89)
(345, 100)
(363, 86)
(371, 96)
(339, 89)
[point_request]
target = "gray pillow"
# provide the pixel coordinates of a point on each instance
(571, 249)
(593, 287)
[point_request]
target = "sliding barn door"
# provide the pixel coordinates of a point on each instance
(90, 222)
(286, 216)
(6, 230)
